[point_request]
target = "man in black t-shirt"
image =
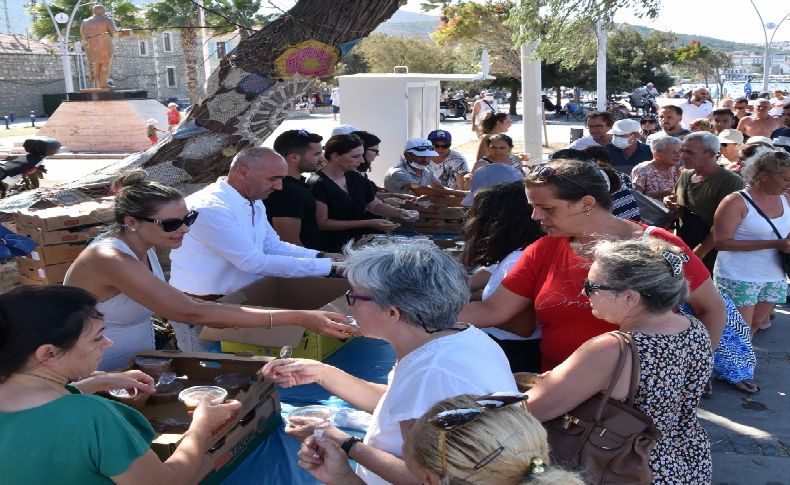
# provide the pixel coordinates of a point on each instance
(291, 211)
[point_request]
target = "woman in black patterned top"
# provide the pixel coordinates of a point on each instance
(637, 285)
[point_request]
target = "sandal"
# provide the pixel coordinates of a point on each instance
(747, 386)
(708, 391)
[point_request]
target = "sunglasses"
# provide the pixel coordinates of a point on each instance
(545, 173)
(590, 288)
(421, 148)
(644, 122)
(436, 145)
(451, 419)
(352, 298)
(170, 225)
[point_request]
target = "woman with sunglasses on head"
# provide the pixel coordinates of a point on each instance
(51, 341)
(649, 125)
(346, 204)
(572, 202)
(463, 439)
(408, 294)
(636, 285)
(121, 268)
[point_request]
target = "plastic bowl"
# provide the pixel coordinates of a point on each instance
(191, 396)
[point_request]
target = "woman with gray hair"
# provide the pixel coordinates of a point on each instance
(748, 268)
(408, 294)
(636, 285)
(657, 177)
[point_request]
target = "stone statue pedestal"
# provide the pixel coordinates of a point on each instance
(99, 121)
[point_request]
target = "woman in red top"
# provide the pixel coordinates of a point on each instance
(571, 200)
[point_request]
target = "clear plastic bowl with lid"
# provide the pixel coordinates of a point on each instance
(191, 396)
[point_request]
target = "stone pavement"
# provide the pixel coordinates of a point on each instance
(750, 434)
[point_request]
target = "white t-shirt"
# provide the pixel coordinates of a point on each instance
(466, 362)
(691, 112)
(777, 106)
(498, 272)
(584, 142)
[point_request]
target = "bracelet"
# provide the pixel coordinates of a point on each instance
(349, 443)
(271, 319)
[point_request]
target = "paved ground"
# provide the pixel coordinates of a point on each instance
(750, 435)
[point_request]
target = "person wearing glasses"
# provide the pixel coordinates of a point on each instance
(760, 123)
(449, 166)
(475, 440)
(413, 175)
(121, 268)
(649, 124)
(408, 294)
(572, 202)
(636, 286)
(598, 124)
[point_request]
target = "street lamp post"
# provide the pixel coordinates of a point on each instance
(767, 56)
(63, 40)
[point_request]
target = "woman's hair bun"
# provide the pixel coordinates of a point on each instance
(132, 177)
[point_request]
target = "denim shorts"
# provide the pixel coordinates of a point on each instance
(748, 293)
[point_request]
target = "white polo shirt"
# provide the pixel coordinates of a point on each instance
(691, 112)
(231, 244)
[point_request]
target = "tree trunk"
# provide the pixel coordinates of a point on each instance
(514, 98)
(559, 98)
(248, 95)
(190, 48)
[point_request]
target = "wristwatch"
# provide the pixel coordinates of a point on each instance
(320, 254)
(349, 443)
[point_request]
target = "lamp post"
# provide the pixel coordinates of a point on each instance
(63, 40)
(766, 27)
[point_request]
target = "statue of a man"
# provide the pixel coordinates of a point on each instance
(96, 32)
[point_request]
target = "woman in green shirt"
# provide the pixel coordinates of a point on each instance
(51, 432)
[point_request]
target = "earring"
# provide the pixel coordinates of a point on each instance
(587, 212)
(133, 229)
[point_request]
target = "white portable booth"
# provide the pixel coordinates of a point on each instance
(394, 107)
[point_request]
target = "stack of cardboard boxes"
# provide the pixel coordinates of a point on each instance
(443, 215)
(61, 234)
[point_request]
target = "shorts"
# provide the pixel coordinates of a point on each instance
(335, 109)
(748, 293)
(153, 139)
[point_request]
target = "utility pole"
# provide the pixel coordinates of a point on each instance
(63, 39)
(767, 58)
(600, 68)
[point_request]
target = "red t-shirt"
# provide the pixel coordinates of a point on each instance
(552, 276)
(173, 117)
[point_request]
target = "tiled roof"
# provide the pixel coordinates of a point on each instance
(19, 44)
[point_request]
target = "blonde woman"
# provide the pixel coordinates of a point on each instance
(464, 439)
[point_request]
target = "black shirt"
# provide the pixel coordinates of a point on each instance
(296, 201)
(342, 206)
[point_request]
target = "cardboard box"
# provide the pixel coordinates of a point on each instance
(78, 234)
(312, 346)
(56, 218)
(60, 253)
(32, 272)
(287, 293)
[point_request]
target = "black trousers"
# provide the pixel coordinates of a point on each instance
(523, 355)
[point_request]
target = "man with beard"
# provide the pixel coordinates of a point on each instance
(696, 107)
(669, 119)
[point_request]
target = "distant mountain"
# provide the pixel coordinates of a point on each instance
(719, 44)
(409, 24)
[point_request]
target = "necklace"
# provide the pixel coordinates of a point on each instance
(59, 383)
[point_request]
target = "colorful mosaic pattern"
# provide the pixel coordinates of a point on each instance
(309, 58)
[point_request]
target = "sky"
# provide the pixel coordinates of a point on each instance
(733, 20)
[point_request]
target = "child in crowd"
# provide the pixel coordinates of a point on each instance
(173, 116)
(151, 130)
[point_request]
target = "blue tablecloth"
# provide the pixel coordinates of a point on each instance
(274, 461)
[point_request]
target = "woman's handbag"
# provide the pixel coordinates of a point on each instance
(783, 256)
(606, 440)
(652, 211)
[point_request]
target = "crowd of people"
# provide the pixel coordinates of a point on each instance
(558, 264)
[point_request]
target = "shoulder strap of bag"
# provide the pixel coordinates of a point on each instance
(618, 370)
(489, 105)
(759, 211)
(636, 368)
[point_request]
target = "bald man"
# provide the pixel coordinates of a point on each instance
(231, 244)
(760, 123)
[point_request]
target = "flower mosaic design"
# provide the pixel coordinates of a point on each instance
(309, 58)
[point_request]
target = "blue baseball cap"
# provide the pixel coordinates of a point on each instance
(440, 135)
(496, 173)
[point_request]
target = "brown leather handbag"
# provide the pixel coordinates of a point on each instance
(606, 440)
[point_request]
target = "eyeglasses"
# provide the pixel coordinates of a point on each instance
(545, 173)
(446, 421)
(590, 288)
(352, 298)
(441, 146)
(170, 225)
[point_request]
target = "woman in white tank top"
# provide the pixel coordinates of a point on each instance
(122, 270)
(748, 268)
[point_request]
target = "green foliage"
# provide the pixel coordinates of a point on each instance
(634, 59)
(696, 60)
(383, 52)
(125, 14)
(240, 12)
(352, 63)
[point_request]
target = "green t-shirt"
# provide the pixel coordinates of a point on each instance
(79, 439)
(706, 196)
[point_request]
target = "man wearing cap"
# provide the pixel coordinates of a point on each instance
(450, 166)
(625, 150)
(291, 210)
(481, 106)
(413, 175)
(598, 124)
(760, 123)
(697, 106)
(669, 117)
(730, 141)
(781, 136)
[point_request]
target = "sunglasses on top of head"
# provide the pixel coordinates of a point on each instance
(170, 225)
(421, 148)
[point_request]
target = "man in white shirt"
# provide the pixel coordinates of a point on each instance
(696, 107)
(232, 244)
(778, 103)
(598, 124)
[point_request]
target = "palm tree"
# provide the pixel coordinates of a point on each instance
(123, 12)
(184, 15)
(243, 13)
